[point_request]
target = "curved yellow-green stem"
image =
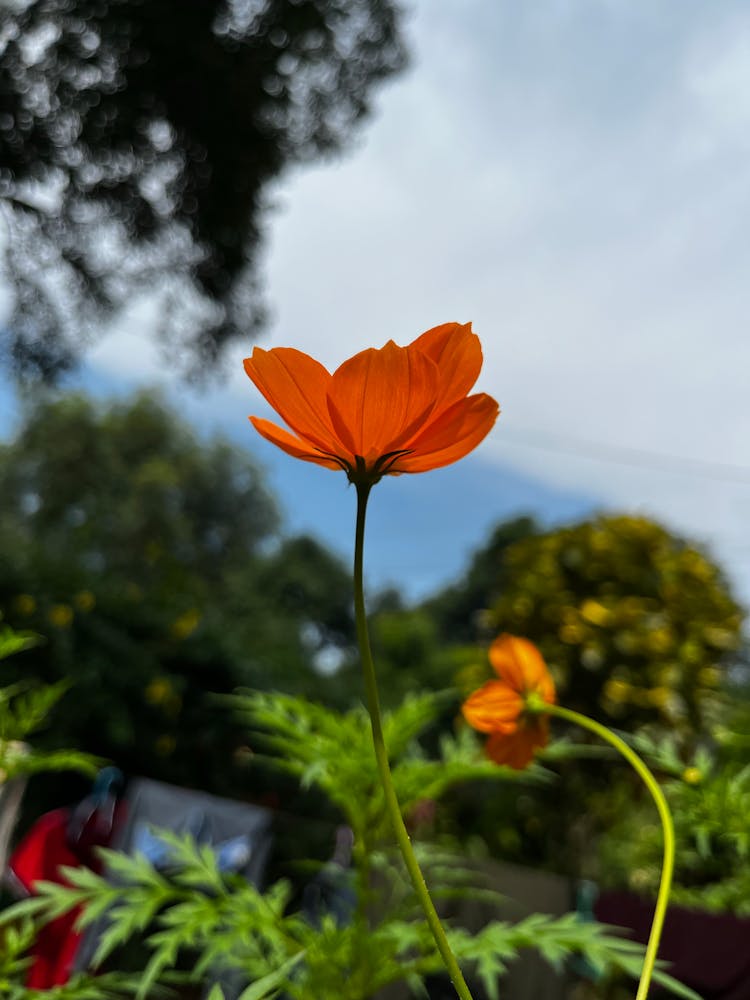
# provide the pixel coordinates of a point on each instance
(666, 821)
(381, 755)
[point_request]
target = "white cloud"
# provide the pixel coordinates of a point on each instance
(129, 350)
(718, 75)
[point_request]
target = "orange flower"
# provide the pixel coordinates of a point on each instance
(509, 709)
(387, 411)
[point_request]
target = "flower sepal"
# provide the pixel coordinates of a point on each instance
(535, 704)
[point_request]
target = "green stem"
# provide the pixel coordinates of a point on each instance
(381, 755)
(666, 821)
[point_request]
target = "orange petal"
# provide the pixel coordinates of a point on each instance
(290, 444)
(454, 434)
(295, 385)
(520, 664)
(517, 749)
(494, 707)
(458, 354)
(378, 397)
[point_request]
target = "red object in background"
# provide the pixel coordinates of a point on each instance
(40, 854)
(710, 952)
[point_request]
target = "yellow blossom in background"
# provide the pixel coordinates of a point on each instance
(84, 600)
(60, 615)
(161, 692)
(617, 690)
(25, 604)
(709, 677)
(660, 697)
(568, 615)
(521, 606)
(595, 613)
(186, 624)
(691, 652)
(721, 638)
(660, 640)
(158, 691)
(165, 745)
(571, 634)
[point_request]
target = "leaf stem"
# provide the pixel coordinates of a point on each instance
(381, 755)
(665, 816)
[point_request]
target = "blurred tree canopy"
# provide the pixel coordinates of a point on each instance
(461, 610)
(153, 565)
(137, 141)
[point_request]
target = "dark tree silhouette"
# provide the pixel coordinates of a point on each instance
(137, 140)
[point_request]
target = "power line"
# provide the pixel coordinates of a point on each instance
(622, 455)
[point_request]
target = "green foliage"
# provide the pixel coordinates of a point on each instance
(220, 922)
(15, 642)
(229, 925)
(732, 734)
(306, 740)
(556, 939)
(16, 938)
(15, 941)
(153, 564)
(710, 802)
(23, 710)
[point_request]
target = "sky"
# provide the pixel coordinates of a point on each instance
(571, 176)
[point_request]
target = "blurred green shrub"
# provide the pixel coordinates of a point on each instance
(154, 564)
(709, 794)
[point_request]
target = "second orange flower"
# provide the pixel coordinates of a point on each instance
(510, 709)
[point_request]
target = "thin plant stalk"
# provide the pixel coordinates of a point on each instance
(665, 816)
(381, 756)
